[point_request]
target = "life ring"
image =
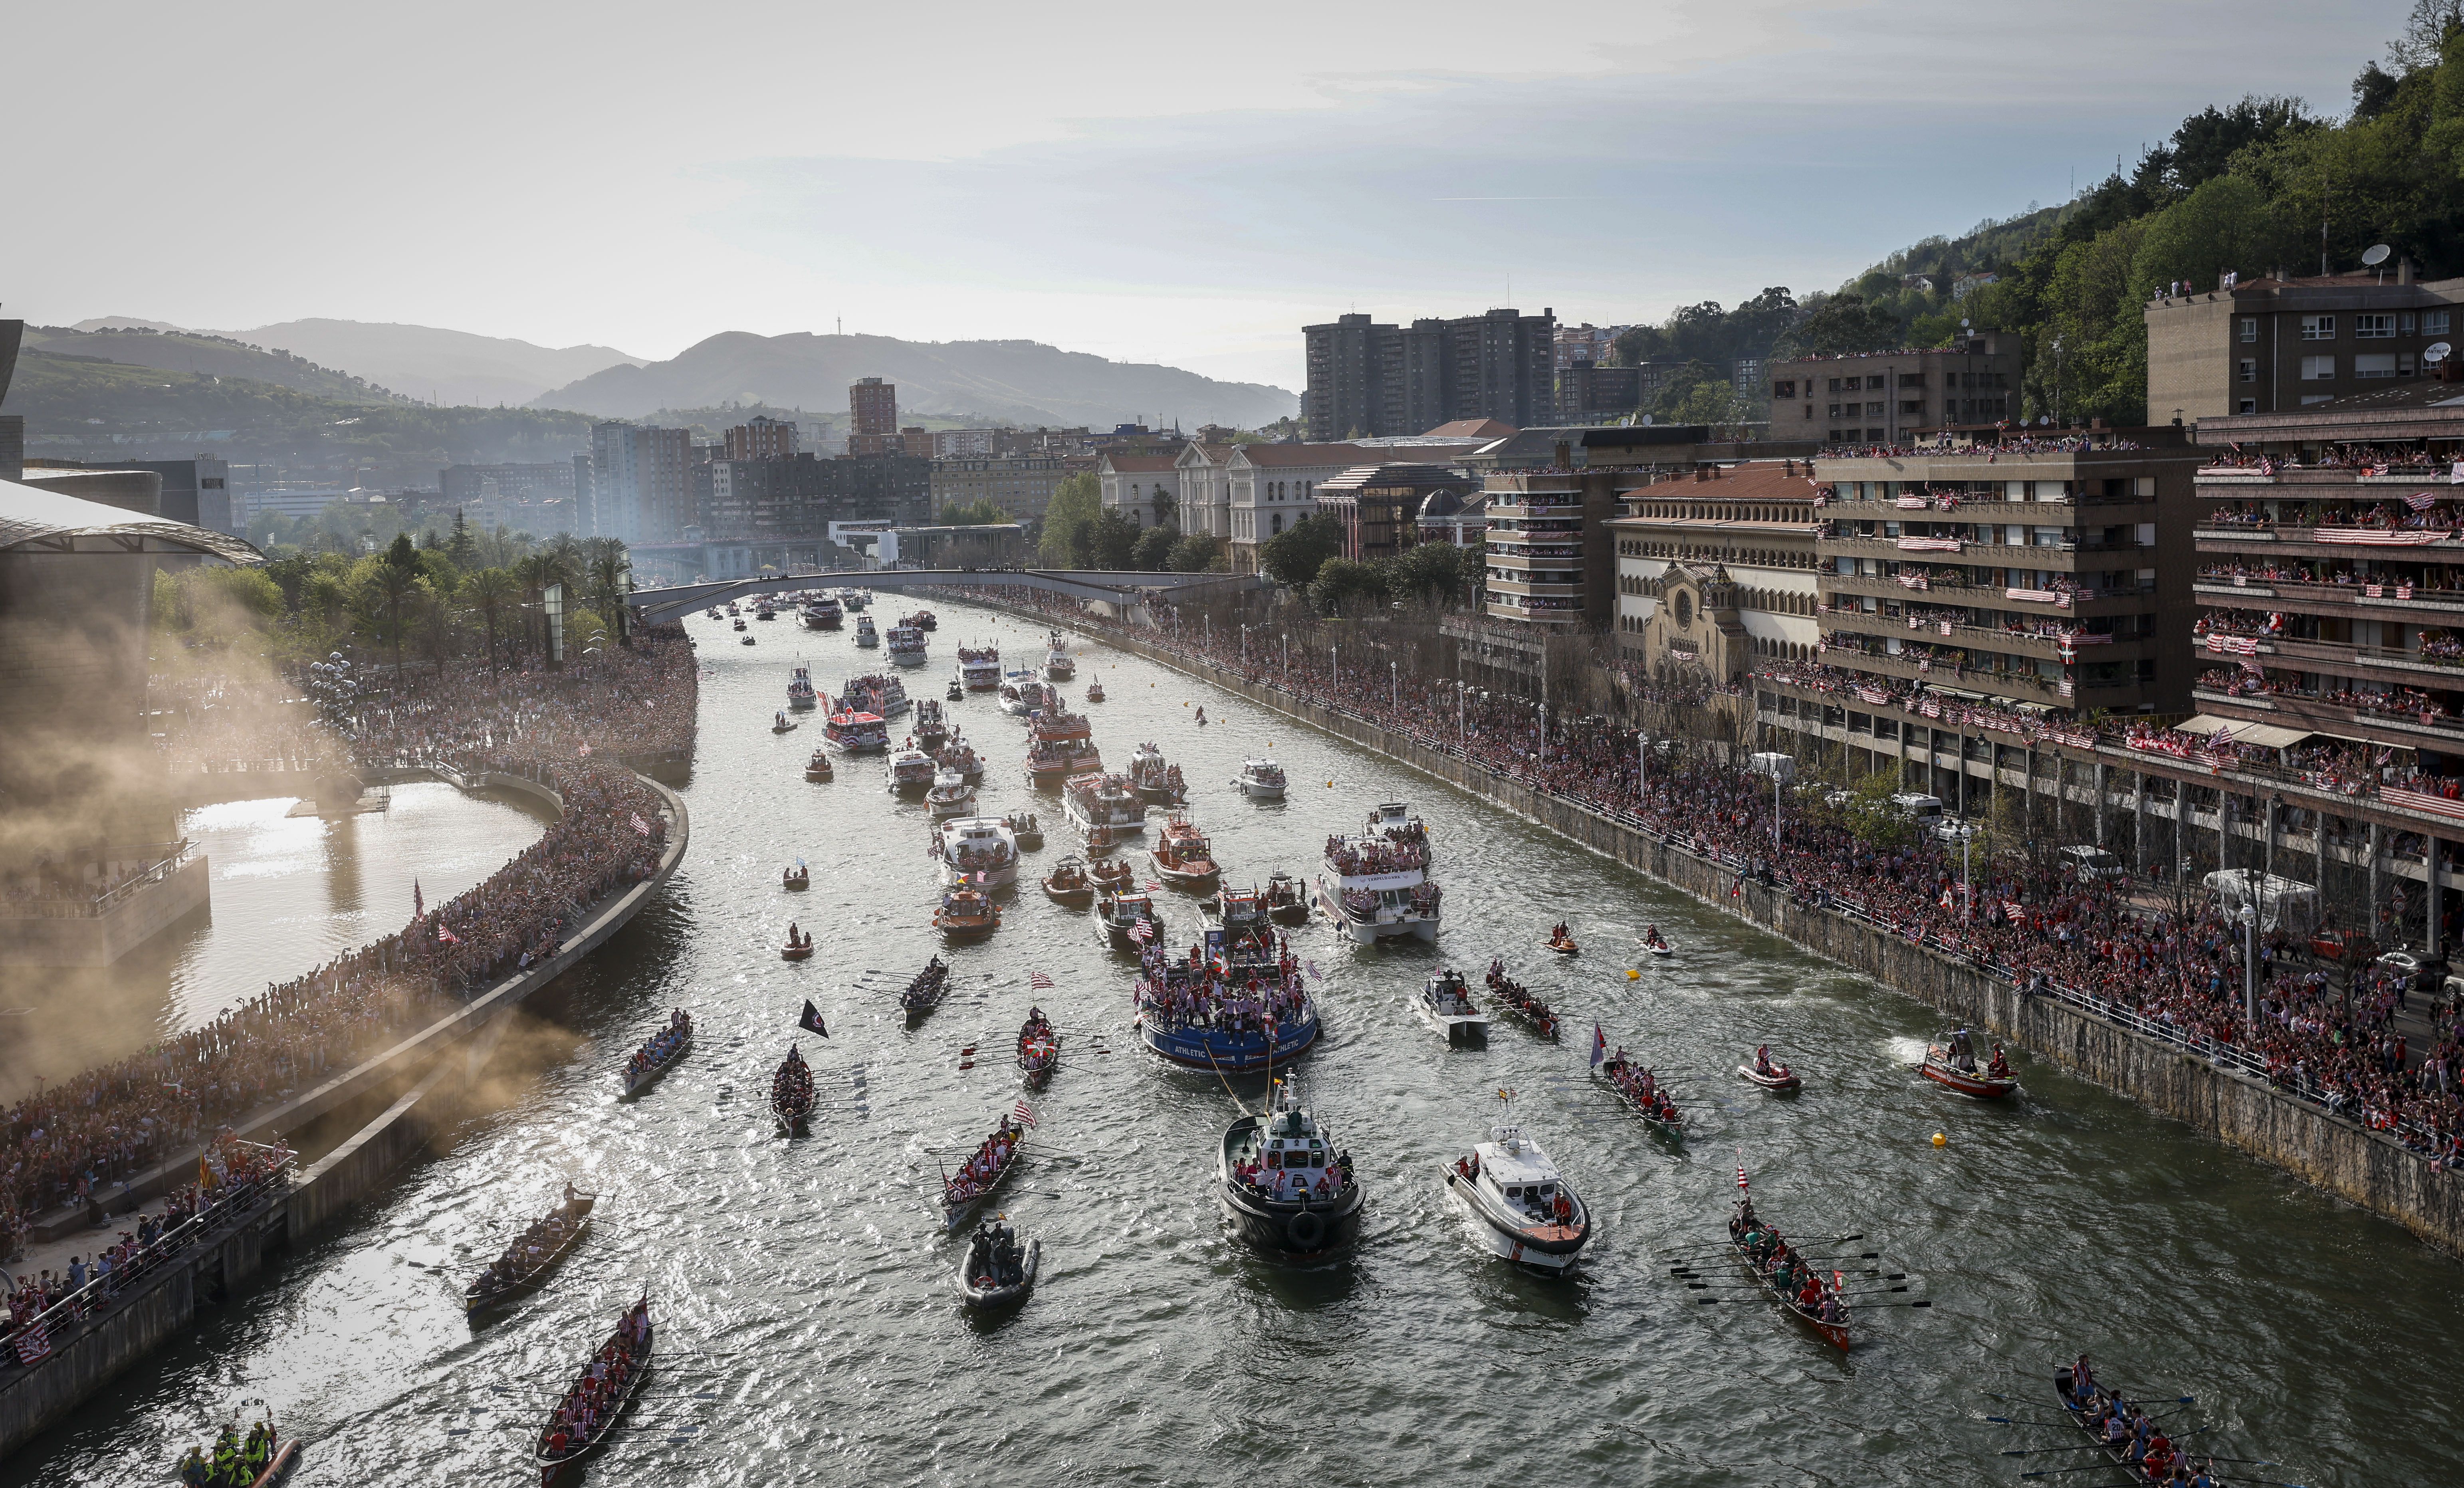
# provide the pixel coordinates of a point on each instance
(1306, 1231)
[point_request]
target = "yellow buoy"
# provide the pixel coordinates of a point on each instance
(1939, 1140)
(1633, 975)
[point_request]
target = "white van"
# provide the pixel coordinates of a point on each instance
(2091, 862)
(1772, 765)
(1922, 810)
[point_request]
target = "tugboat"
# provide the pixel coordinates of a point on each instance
(1286, 902)
(1104, 809)
(978, 852)
(1059, 745)
(1069, 886)
(1285, 1186)
(997, 1272)
(966, 914)
(1094, 691)
(979, 669)
(1394, 822)
(910, 772)
(791, 1093)
(1769, 1074)
(799, 689)
(1057, 665)
(865, 635)
(925, 993)
(951, 795)
(1039, 1050)
(822, 613)
(1028, 831)
(1640, 1089)
(852, 733)
(1445, 1005)
(1236, 1004)
(1154, 780)
(1373, 889)
(1520, 1206)
(1954, 1062)
(905, 646)
(817, 768)
(879, 692)
(1516, 1002)
(1126, 919)
(1240, 912)
(976, 1179)
(931, 733)
(1184, 859)
(1260, 780)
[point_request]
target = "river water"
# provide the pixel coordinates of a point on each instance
(807, 1283)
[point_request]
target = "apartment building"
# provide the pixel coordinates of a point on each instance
(761, 438)
(1368, 380)
(2270, 345)
(1552, 563)
(1378, 506)
(641, 485)
(1717, 568)
(1587, 391)
(797, 497)
(1270, 487)
(1021, 486)
(1886, 397)
(872, 412)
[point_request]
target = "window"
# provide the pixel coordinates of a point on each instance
(2249, 329)
(1835, 413)
(2374, 364)
(1878, 380)
(2247, 406)
(2404, 323)
(1912, 405)
(2317, 328)
(1873, 411)
(2433, 322)
(1835, 384)
(1912, 380)
(1875, 434)
(2373, 328)
(2318, 369)
(1786, 390)
(2250, 369)
(1278, 520)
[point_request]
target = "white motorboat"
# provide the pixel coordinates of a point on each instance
(1373, 889)
(1057, 665)
(800, 689)
(1520, 1206)
(910, 772)
(1445, 1005)
(979, 669)
(1104, 809)
(865, 635)
(981, 852)
(950, 796)
(1260, 780)
(1022, 694)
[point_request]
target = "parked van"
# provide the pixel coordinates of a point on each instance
(1772, 765)
(2091, 862)
(1922, 810)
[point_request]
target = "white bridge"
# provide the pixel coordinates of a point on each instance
(1119, 588)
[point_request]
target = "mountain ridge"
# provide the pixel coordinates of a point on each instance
(429, 364)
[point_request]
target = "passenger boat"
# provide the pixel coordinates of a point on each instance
(1024, 697)
(1069, 886)
(1373, 889)
(1112, 875)
(1104, 809)
(1284, 1186)
(1520, 1206)
(527, 1263)
(910, 772)
(1025, 830)
(1057, 665)
(906, 646)
(1954, 1062)
(1764, 1071)
(931, 733)
(923, 619)
(1516, 1002)
(981, 1175)
(979, 669)
(783, 724)
(1744, 1229)
(1182, 857)
(1393, 820)
(822, 613)
(1094, 691)
(1235, 1005)
(865, 635)
(799, 689)
(1060, 744)
(997, 1272)
(817, 768)
(659, 1053)
(961, 756)
(878, 692)
(966, 914)
(1641, 1091)
(1039, 1049)
(1154, 779)
(583, 1420)
(1286, 902)
(925, 993)
(799, 946)
(1260, 780)
(853, 733)
(978, 852)
(1120, 914)
(1444, 1003)
(950, 796)
(791, 1093)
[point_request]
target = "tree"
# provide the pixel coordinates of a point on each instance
(460, 547)
(1198, 553)
(1153, 550)
(1076, 503)
(2426, 34)
(386, 593)
(1293, 556)
(1166, 505)
(493, 593)
(1843, 323)
(974, 513)
(1345, 586)
(607, 575)
(1110, 540)
(2223, 226)
(1432, 573)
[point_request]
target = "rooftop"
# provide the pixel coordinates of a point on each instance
(35, 521)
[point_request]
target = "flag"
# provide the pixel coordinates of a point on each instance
(1599, 1045)
(1505, 1094)
(585, 752)
(445, 936)
(34, 1344)
(1038, 983)
(1741, 1170)
(1314, 974)
(1142, 931)
(1739, 886)
(1025, 1117)
(812, 1019)
(2010, 909)
(640, 825)
(418, 903)
(2420, 501)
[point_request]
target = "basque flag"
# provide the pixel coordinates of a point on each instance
(812, 1019)
(1599, 1045)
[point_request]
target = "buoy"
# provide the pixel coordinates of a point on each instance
(1939, 1140)
(1633, 975)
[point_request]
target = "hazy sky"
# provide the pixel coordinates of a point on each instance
(1145, 182)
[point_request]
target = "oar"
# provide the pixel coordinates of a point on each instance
(1810, 1239)
(2056, 1471)
(2004, 1420)
(2032, 1451)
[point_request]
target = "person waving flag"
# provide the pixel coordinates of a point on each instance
(1024, 1117)
(812, 1019)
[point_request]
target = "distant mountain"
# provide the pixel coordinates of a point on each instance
(1015, 382)
(203, 353)
(420, 361)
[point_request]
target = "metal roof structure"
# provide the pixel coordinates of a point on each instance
(35, 521)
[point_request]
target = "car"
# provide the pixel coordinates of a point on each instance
(2422, 969)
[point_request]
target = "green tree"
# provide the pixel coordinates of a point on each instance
(1346, 587)
(491, 594)
(1076, 503)
(1153, 550)
(461, 547)
(1166, 507)
(974, 513)
(607, 575)
(1437, 574)
(1198, 553)
(1841, 323)
(1111, 539)
(385, 593)
(1293, 556)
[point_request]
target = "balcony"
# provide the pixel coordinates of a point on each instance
(1572, 589)
(2444, 732)
(2372, 663)
(2062, 557)
(2043, 512)
(2424, 605)
(1545, 612)
(2226, 480)
(1523, 555)
(2104, 601)
(1986, 638)
(1517, 507)
(2305, 542)
(2020, 685)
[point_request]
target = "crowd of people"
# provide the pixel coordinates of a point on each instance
(1787, 1270)
(1255, 987)
(601, 1389)
(233, 1462)
(979, 1173)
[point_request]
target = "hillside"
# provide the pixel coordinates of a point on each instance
(204, 352)
(1016, 381)
(453, 368)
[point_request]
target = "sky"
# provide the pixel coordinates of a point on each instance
(1187, 186)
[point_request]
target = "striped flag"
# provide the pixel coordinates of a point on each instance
(1025, 1117)
(1313, 972)
(1142, 931)
(2012, 909)
(2420, 501)
(1599, 1045)
(1741, 1170)
(1038, 983)
(34, 1344)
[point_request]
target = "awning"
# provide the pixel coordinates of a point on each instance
(2261, 735)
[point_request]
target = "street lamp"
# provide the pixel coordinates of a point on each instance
(2249, 917)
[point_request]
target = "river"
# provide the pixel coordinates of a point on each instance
(807, 1282)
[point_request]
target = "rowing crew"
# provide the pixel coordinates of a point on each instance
(537, 1243)
(2133, 1434)
(986, 1167)
(655, 1050)
(1789, 1273)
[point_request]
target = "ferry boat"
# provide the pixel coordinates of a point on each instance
(865, 636)
(1057, 665)
(1286, 902)
(1394, 822)
(905, 646)
(910, 772)
(1236, 1003)
(1445, 1005)
(1954, 1062)
(966, 914)
(1119, 915)
(923, 619)
(1060, 744)
(931, 733)
(1153, 779)
(852, 733)
(800, 689)
(1260, 780)
(876, 692)
(1104, 809)
(822, 612)
(1375, 888)
(961, 756)
(950, 796)
(1183, 858)
(979, 669)
(980, 852)
(1284, 1185)
(1520, 1206)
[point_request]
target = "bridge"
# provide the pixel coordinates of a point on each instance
(1117, 587)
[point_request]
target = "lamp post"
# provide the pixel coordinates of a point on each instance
(1394, 686)
(2249, 917)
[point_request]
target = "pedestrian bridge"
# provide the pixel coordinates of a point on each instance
(655, 606)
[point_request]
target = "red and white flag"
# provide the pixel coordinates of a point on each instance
(34, 1344)
(1025, 1117)
(2013, 909)
(640, 825)
(1599, 1045)
(1741, 1170)
(1142, 931)
(1039, 981)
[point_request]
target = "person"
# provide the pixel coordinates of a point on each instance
(192, 1467)
(1557, 936)
(1762, 1059)
(1651, 936)
(2000, 1067)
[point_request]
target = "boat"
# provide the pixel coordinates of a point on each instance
(281, 1455)
(979, 669)
(783, 724)
(1094, 691)
(925, 993)
(1286, 902)
(817, 768)
(855, 599)
(748, 640)
(1286, 1188)
(910, 772)
(799, 946)
(1375, 888)
(1954, 1062)
(820, 613)
(2090, 1414)
(791, 1093)
(583, 1420)
(1653, 943)
(1513, 1000)
(1111, 875)
(1444, 1003)
(739, 625)
(961, 756)
(796, 880)
(1260, 780)
(1640, 1090)
(878, 692)
(950, 796)
(659, 1053)
(1104, 809)
(1393, 820)
(526, 1263)
(981, 1175)
(923, 619)
(1231, 1005)
(732, 607)
(997, 1272)
(1520, 1206)
(1069, 886)
(930, 732)
(1240, 912)
(976, 852)
(1060, 745)
(1026, 829)
(966, 914)
(1183, 858)
(799, 689)
(1154, 779)
(907, 646)
(766, 612)
(1561, 941)
(854, 733)
(1769, 1074)
(955, 691)
(1121, 916)
(1023, 695)
(1749, 1241)
(865, 635)
(1057, 665)
(1039, 1049)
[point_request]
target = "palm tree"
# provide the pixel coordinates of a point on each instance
(606, 577)
(389, 591)
(492, 591)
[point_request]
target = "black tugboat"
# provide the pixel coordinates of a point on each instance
(1284, 1185)
(925, 993)
(791, 1093)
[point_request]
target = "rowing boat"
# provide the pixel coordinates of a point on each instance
(961, 1193)
(637, 1081)
(925, 993)
(1836, 1334)
(2085, 1418)
(791, 1093)
(631, 1343)
(561, 1228)
(1617, 1072)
